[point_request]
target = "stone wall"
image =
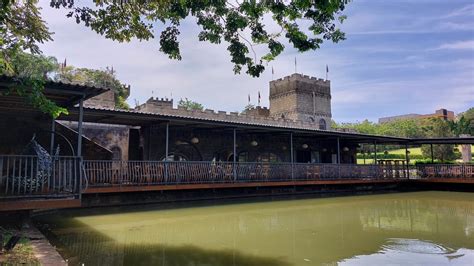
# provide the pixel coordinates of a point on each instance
(301, 98)
(155, 105)
(258, 111)
(104, 100)
(114, 138)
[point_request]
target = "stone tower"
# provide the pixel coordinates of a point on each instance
(301, 98)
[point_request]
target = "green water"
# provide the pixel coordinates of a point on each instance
(422, 228)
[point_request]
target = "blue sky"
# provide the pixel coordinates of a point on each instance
(400, 56)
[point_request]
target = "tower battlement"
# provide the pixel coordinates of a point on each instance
(301, 98)
(156, 104)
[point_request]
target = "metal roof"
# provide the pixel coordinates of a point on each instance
(446, 140)
(139, 118)
(63, 94)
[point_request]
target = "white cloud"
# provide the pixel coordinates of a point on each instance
(371, 75)
(467, 10)
(460, 45)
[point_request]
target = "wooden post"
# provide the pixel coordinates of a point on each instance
(432, 154)
(53, 128)
(291, 156)
(79, 130)
(375, 152)
(166, 151)
(338, 151)
(407, 159)
(235, 155)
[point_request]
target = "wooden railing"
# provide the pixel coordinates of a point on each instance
(31, 176)
(109, 173)
(463, 171)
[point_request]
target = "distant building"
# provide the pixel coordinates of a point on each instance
(441, 113)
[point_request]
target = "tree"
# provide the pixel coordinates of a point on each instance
(460, 126)
(94, 77)
(21, 28)
(469, 117)
(436, 127)
(240, 24)
(41, 67)
(190, 105)
(469, 114)
(27, 65)
(248, 107)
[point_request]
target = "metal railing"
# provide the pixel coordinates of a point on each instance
(31, 176)
(110, 173)
(463, 171)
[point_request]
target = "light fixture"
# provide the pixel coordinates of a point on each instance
(304, 146)
(346, 149)
(254, 143)
(284, 148)
(194, 140)
(324, 150)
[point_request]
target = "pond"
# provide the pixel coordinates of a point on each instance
(428, 228)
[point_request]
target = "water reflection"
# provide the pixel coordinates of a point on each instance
(413, 251)
(368, 230)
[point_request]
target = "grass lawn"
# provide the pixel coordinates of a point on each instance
(413, 151)
(21, 254)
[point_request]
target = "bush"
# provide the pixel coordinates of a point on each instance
(392, 156)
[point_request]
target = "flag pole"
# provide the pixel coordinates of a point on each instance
(296, 69)
(327, 72)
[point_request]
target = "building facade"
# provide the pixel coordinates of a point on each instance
(441, 114)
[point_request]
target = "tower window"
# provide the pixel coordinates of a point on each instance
(322, 124)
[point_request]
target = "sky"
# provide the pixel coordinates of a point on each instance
(400, 56)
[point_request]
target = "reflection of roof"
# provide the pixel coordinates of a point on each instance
(63, 94)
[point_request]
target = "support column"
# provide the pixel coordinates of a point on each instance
(338, 151)
(375, 152)
(291, 156)
(167, 140)
(79, 128)
(407, 159)
(432, 154)
(53, 131)
(234, 166)
(166, 151)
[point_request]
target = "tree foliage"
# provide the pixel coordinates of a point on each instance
(98, 78)
(22, 28)
(32, 70)
(439, 128)
(407, 128)
(242, 25)
(190, 105)
(248, 107)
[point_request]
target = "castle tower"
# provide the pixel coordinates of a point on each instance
(156, 105)
(301, 98)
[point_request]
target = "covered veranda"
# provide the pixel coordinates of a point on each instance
(176, 152)
(282, 155)
(34, 176)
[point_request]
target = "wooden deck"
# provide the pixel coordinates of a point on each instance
(36, 204)
(24, 186)
(119, 189)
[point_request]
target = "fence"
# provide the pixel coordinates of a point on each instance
(31, 176)
(108, 173)
(464, 171)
